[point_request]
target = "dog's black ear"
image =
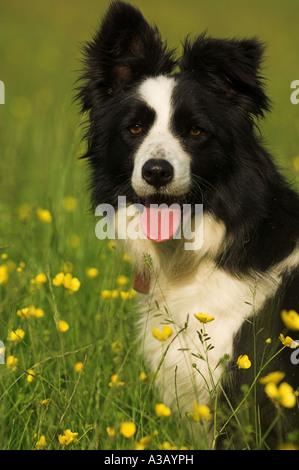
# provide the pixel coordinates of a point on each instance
(230, 67)
(124, 49)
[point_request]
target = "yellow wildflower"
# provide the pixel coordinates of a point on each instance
(78, 366)
(200, 412)
(38, 313)
(288, 341)
(41, 443)
(144, 378)
(45, 401)
(68, 437)
(92, 272)
(283, 395)
(111, 432)
(122, 280)
(243, 362)
(3, 274)
(70, 282)
(12, 362)
(58, 279)
(272, 377)
(165, 334)
(290, 319)
(4, 256)
(67, 267)
(16, 335)
(130, 294)
(111, 245)
(161, 410)
(268, 340)
(62, 326)
(40, 279)
(31, 311)
(23, 313)
(106, 294)
(125, 295)
(127, 257)
(44, 215)
(127, 429)
(116, 347)
(114, 383)
(69, 203)
(203, 318)
(30, 376)
(144, 442)
(167, 446)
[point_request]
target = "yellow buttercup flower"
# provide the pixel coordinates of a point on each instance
(106, 294)
(92, 272)
(111, 245)
(71, 283)
(3, 274)
(62, 326)
(31, 311)
(111, 432)
(40, 279)
(203, 318)
(30, 376)
(122, 280)
(68, 437)
(130, 294)
(288, 341)
(12, 363)
(78, 366)
(161, 410)
(116, 347)
(38, 313)
(290, 319)
(44, 215)
(16, 335)
(243, 362)
(144, 442)
(41, 443)
(165, 334)
(114, 382)
(200, 412)
(283, 395)
(58, 279)
(127, 429)
(127, 257)
(272, 377)
(67, 280)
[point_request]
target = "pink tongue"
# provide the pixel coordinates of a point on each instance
(160, 222)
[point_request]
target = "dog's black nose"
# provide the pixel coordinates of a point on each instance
(157, 172)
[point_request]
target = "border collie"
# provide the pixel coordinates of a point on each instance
(183, 132)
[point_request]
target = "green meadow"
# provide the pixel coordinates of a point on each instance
(72, 377)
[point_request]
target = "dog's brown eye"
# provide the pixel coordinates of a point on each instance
(135, 129)
(195, 131)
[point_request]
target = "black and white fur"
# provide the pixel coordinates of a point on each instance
(249, 258)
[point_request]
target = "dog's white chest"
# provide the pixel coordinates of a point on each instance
(213, 292)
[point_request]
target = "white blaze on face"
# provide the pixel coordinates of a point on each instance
(160, 142)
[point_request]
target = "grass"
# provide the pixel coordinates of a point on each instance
(39, 168)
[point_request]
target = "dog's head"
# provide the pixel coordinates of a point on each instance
(171, 131)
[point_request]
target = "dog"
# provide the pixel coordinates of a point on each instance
(183, 132)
